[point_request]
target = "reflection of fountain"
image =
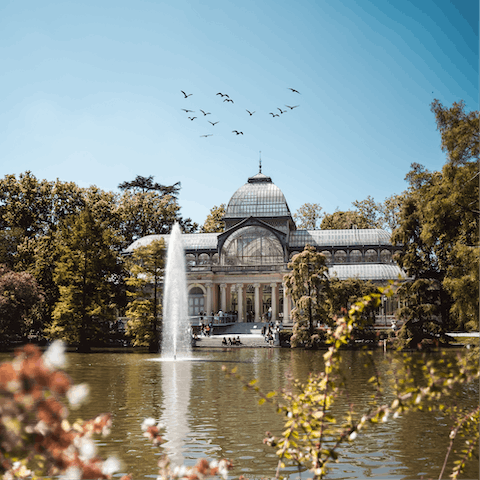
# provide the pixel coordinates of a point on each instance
(176, 379)
(176, 343)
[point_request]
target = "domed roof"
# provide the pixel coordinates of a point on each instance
(259, 197)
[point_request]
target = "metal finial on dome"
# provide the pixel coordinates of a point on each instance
(260, 162)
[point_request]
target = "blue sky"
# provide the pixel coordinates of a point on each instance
(92, 93)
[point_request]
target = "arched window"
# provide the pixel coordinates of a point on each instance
(203, 259)
(252, 246)
(386, 256)
(340, 257)
(215, 259)
(327, 255)
(371, 256)
(355, 256)
(190, 259)
(196, 301)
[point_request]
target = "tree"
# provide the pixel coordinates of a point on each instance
(345, 220)
(308, 216)
(344, 293)
(19, 296)
(391, 209)
(147, 208)
(307, 283)
(146, 268)
(84, 274)
(214, 222)
(370, 210)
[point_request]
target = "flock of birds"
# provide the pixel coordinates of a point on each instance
(227, 99)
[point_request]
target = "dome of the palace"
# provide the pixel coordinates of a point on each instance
(259, 197)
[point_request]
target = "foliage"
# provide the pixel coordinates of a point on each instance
(312, 436)
(343, 293)
(214, 222)
(19, 295)
(307, 284)
(148, 208)
(85, 274)
(146, 267)
(36, 437)
(370, 210)
(439, 223)
(345, 220)
(308, 216)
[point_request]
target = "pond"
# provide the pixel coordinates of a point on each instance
(207, 414)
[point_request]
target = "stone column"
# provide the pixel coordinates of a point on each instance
(257, 302)
(286, 306)
(240, 301)
(223, 297)
(274, 301)
(209, 299)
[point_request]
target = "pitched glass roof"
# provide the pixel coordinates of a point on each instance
(259, 197)
(191, 241)
(367, 271)
(331, 238)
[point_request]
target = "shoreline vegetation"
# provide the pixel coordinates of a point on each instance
(37, 394)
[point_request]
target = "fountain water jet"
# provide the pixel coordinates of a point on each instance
(176, 342)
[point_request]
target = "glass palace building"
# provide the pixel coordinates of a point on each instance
(241, 269)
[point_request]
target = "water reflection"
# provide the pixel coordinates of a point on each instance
(176, 383)
(208, 415)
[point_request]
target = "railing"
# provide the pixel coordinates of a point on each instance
(225, 319)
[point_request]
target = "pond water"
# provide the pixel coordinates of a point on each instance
(207, 414)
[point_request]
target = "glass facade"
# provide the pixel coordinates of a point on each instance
(252, 246)
(257, 200)
(332, 238)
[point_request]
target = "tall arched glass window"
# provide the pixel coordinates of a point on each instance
(252, 246)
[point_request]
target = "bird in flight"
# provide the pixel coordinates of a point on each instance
(205, 113)
(251, 113)
(188, 111)
(281, 111)
(192, 118)
(223, 94)
(291, 108)
(209, 135)
(274, 114)
(185, 95)
(213, 123)
(229, 100)
(237, 132)
(294, 91)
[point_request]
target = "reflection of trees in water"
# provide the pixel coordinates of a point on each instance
(224, 421)
(423, 437)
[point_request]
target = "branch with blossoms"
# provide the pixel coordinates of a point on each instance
(312, 436)
(36, 438)
(202, 470)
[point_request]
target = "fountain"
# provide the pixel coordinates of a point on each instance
(176, 343)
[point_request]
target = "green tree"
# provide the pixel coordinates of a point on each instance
(214, 222)
(308, 216)
(345, 220)
(146, 267)
(20, 294)
(370, 210)
(147, 208)
(391, 209)
(85, 273)
(344, 293)
(307, 283)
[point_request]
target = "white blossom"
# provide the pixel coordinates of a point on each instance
(54, 356)
(72, 473)
(148, 422)
(110, 466)
(77, 394)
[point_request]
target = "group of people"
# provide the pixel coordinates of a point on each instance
(268, 331)
(235, 341)
(206, 330)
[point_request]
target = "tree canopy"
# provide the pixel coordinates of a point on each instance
(308, 216)
(214, 222)
(345, 220)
